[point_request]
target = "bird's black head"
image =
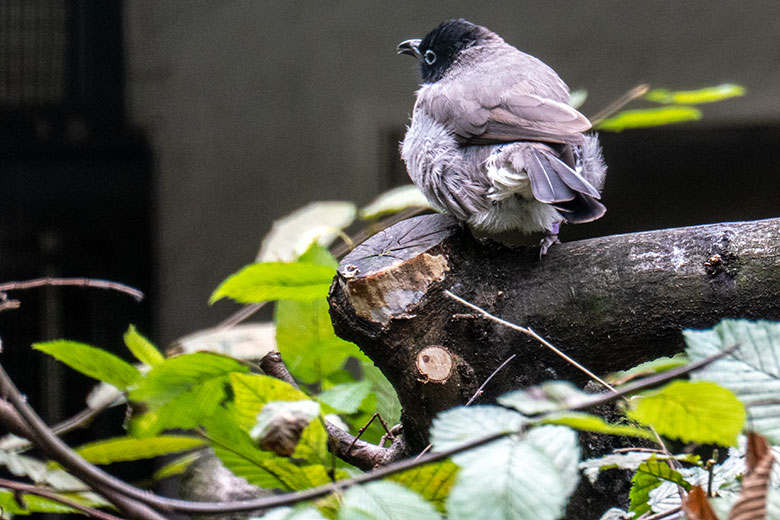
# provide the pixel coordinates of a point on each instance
(440, 47)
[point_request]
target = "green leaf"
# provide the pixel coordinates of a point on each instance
(176, 467)
(647, 117)
(305, 338)
(547, 397)
(185, 411)
(318, 255)
(181, 392)
(384, 501)
(393, 201)
(319, 222)
(387, 403)
(752, 371)
(592, 423)
(459, 425)
(141, 348)
(647, 368)
(262, 468)
(432, 481)
(181, 374)
(252, 392)
(313, 444)
(701, 412)
(629, 460)
(270, 281)
(528, 478)
(346, 397)
(695, 97)
(32, 504)
(649, 476)
(91, 361)
(128, 448)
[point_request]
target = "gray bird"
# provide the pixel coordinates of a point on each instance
(493, 140)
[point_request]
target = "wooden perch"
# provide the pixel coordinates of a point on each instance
(609, 303)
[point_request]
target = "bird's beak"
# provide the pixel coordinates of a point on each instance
(410, 47)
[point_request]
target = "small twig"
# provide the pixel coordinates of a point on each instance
(27, 489)
(76, 282)
(628, 450)
(9, 304)
(711, 471)
(628, 97)
(532, 334)
(365, 427)
(484, 384)
(665, 514)
(475, 396)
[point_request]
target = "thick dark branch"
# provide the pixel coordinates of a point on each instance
(609, 303)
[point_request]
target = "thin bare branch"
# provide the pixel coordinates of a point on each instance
(76, 282)
(527, 331)
(28, 489)
(612, 108)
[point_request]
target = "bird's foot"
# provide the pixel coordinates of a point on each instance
(550, 238)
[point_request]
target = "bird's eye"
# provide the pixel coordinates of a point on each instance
(430, 57)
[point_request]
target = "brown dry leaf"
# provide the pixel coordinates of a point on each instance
(751, 504)
(696, 505)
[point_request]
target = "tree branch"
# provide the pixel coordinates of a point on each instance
(76, 282)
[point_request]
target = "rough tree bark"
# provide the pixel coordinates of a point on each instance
(609, 303)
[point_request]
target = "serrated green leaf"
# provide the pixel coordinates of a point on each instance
(647, 117)
(458, 425)
(752, 371)
(695, 97)
(180, 374)
(547, 397)
(271, 281)
(647, 368)
(393, 201)
(185, 411)
(91, 361)
(181, 392)
(693, 412)
(649, 475)
(142, 348)
(305, 338)
(262, 468)
(129, 448)
(432, 481)
(252, 392)
(387, 403)
(384, 501)
(528, 478)
(592, 423)
(346, 397)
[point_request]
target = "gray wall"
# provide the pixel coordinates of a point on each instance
(255, 108)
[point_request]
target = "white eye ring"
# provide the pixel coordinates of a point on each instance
(430, 57)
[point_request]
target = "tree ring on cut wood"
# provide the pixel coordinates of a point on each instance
(434, 364)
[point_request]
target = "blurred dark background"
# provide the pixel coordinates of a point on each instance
(154, 142)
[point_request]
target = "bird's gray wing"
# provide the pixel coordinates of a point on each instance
(489, 104)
